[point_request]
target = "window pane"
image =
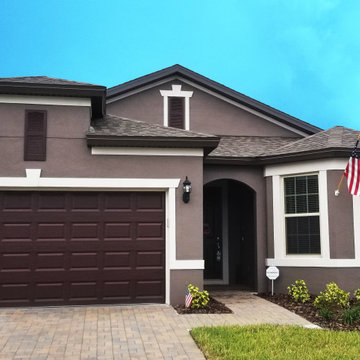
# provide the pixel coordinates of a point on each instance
(301, 204)
(313, 187)
(301, 185)
(290, 204)
(289, 186)
(301, 194)
(303, 235)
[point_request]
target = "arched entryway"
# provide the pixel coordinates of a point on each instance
(229, 234)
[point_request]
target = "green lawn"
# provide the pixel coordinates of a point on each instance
(276, 342)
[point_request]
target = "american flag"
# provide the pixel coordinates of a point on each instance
(188, 298)
(352, 172)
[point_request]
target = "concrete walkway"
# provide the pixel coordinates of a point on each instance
(124, 332)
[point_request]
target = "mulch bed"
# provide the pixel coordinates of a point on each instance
(308, 311)
(213, 307)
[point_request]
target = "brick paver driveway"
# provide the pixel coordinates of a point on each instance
(123, 332)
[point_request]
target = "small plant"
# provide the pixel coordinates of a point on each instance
(299, 291)
(351, 315)
(357, 294)
(333, 298)
(326, 314)
(200, 298)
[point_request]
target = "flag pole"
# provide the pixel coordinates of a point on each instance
(337, 191)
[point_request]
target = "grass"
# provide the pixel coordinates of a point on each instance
(274, 342)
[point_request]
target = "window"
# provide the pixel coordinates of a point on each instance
(35, 135)
(302, 218)
(177, 107)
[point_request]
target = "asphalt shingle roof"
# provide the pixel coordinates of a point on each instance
(248, 146)
(338, 137)
(42, 80)
(112, 125)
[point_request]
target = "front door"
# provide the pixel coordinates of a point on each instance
(213, 233)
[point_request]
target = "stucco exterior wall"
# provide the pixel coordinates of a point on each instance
(316, 278)
(254, 178)
(208, 114)
(179, 280)
(69, 156)
(269, 218)
(341, 219)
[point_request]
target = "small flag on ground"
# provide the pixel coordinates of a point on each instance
(188, 298)
(352, 172)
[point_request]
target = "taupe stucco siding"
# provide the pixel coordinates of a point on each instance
(341, 219)
(208, 114)
(179, 279)
(316, 278)
(254, 178)
(63, 121)
(269, 218)
(69, 156)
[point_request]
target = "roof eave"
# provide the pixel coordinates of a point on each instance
(281, 158)
(208, 144)
(95, 92)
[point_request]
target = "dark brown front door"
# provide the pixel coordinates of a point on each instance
(81, 247)
(213, 233)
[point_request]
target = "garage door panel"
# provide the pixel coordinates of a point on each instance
(118, 202)
(149, 288)
(117, 290)
(116, 260)
(81, 248)
(15, 261)
(49, 292)
(15, 293)
(116, 230)
(51, 231)
(149, 201)
(52, 202)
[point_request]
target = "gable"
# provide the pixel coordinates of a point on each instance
(209, 112)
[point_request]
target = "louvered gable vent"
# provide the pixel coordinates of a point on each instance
(176, 108)
(35, 136)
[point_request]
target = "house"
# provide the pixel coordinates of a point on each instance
(95, 203)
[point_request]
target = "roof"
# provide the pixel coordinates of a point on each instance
(248, 146)
(178, 70)
(113, 130)
(335, 142)
(43, 85)
(42, 80)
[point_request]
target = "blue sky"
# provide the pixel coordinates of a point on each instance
(299, 56)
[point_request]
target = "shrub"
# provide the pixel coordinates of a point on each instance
(351, 315)
(357, 294)
(333, 298)
(326, 314)
(200, 298)
(299, 291)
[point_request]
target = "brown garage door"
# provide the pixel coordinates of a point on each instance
(81, 247)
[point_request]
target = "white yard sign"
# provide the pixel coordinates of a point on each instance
(272, 273)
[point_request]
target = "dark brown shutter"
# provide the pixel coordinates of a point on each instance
(176, 108)
(35, 136)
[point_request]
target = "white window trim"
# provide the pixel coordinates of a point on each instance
(44, 100)
(177, 92)
(276, 171)
(280, 255)
(33, 181)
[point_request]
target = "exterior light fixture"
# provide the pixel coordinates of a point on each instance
(186, 190)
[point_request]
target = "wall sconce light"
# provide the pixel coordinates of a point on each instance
(186, 190)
